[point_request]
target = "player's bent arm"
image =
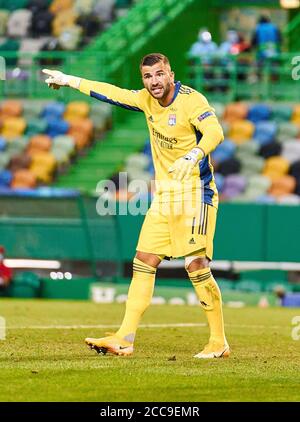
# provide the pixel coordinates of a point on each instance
(205, 122)
(212, 136)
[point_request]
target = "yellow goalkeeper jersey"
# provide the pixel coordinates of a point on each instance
(174, 130)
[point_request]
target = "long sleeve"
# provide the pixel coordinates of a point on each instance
(208, 129)
(131, 100)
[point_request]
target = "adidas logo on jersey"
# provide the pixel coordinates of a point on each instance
(192, 241)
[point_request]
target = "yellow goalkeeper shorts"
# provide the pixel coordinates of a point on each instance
(169, 231)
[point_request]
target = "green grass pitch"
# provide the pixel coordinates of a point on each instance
(44, 358)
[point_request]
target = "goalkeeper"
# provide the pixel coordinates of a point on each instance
(181, 221)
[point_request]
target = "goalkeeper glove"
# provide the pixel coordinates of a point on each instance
(56, 79)
(183, 167)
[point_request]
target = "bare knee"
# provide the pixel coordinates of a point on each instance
(198, 264)
(148, 258)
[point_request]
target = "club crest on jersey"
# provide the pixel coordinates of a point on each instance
(172, 120)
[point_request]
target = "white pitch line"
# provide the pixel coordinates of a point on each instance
(175, 325)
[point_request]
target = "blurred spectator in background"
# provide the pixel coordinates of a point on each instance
(204, 47)
(5, 272)
(266, 39)
(234, 44)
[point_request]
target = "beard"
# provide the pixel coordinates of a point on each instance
(160, 92)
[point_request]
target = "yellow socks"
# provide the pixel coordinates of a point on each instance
(210, 298)
(139, 298)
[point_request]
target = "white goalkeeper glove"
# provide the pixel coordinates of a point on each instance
(183, 167)
(56, 79)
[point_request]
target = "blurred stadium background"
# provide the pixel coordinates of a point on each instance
(55, 146)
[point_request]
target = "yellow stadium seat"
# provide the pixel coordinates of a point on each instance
(60, 5)
(43, 159)
(13, 127)
(240, 131)
(62, 21)
(77, 109)
(278, 165)
(296, 114)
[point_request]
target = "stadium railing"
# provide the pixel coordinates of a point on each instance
(223, 79)
(292, 33)
(24, 77)
(231, 78)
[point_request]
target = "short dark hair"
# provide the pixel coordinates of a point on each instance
(153, 58)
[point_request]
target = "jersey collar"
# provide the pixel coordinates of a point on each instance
(177, 87)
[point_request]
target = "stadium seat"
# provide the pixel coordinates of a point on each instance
(291, 150)
(17, 145)
(241, 131)
(70, 37)
(53, 110)
(4, 160)
(83, 7)
(41, 23)
(235, 111)
(5, 178)
(276, 167)
(287, 131)
(39, 143)
(283, 185)
(259, 112)
(36, 126)
(252, 165)
(23, 179)
(65, 143)
(104, 10)
(281, 113)
(76, 109)
(265, 132)
(270, 150)
(230, 166)
(19, 161)
(63, 20)
(234, 185)
(225, 151)
(19, 23)
(2, 143)
(11, 108)
(13, 126)
(4, 15)
(296, 114)
(56, 126)
(58, 6)
(81, 125)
